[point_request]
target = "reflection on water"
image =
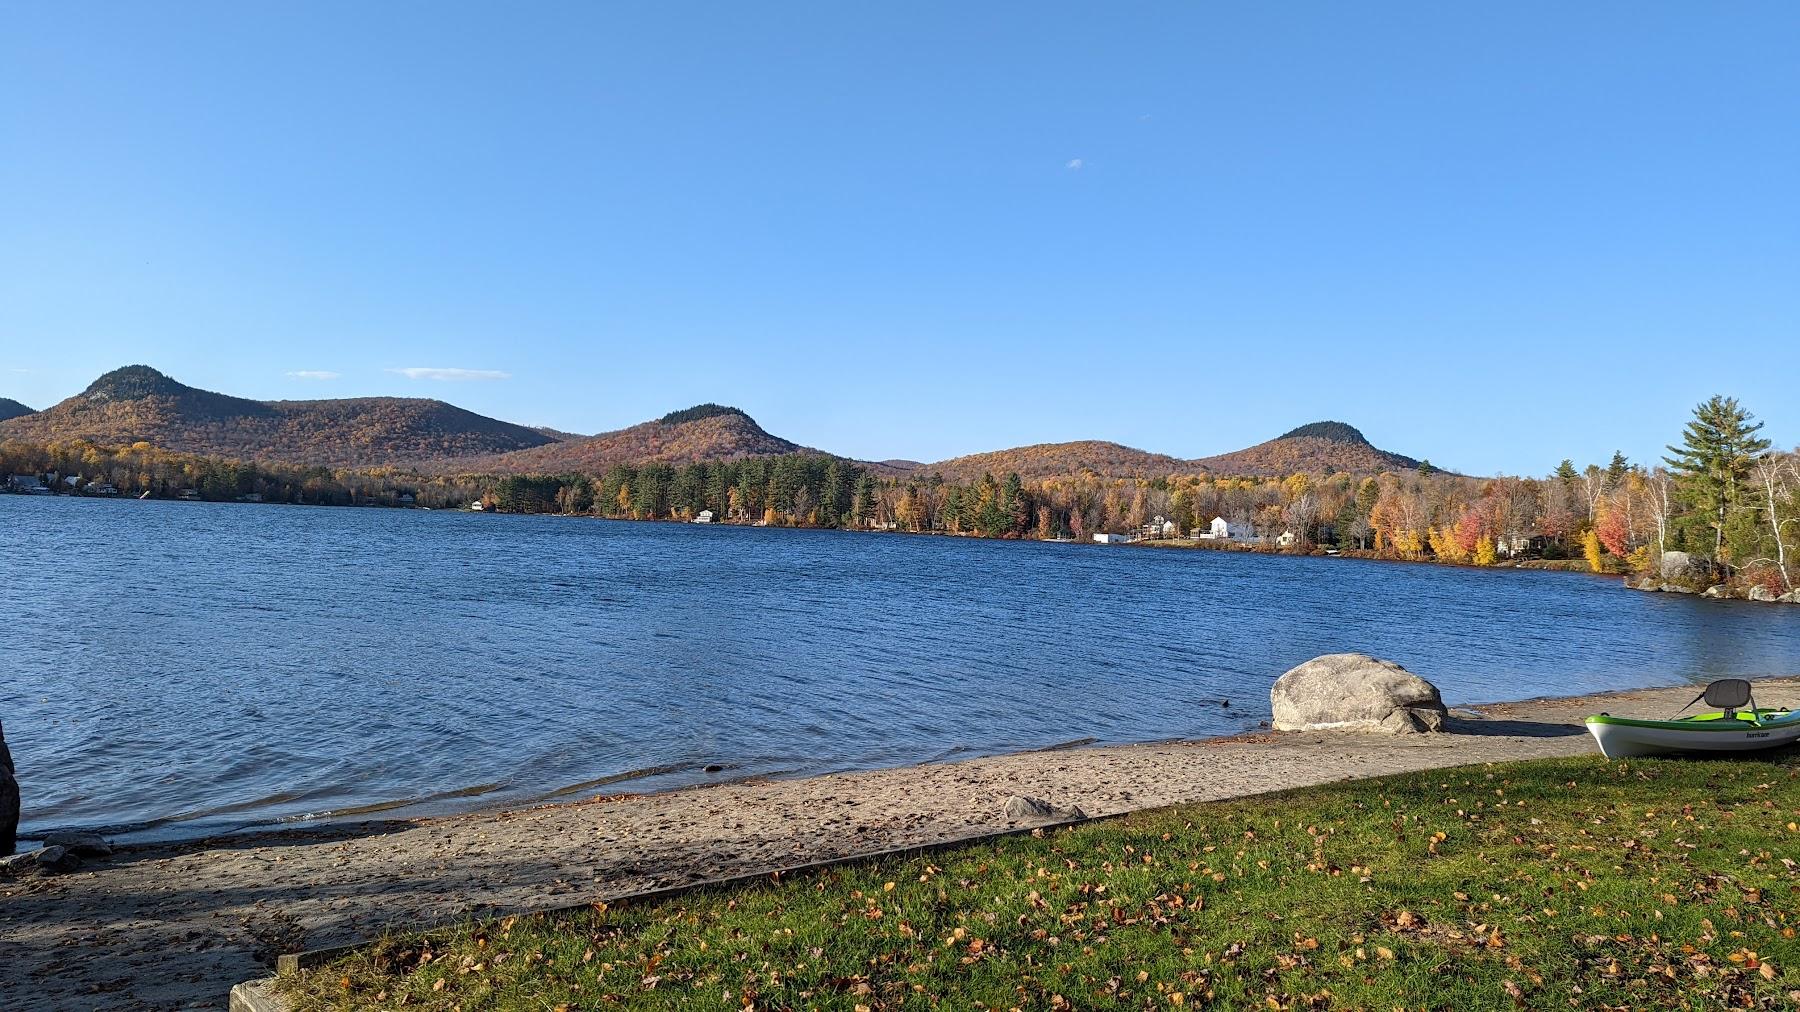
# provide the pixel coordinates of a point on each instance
(185, 668)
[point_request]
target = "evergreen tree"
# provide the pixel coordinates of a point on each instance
(1717, 450)
(1615, 471)
(1425, 469)
(1565, 471)
(832, 501)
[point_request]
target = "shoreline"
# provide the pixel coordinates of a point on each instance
(172, 924)
(1542, 565)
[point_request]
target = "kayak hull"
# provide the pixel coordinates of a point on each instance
(1624, 737)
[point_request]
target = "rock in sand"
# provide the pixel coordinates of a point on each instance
(1020, 806)
(1355, 691)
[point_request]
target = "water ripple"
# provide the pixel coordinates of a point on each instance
(175, 669)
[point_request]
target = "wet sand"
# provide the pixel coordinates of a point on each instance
(176, 925)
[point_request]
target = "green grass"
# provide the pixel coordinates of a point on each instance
(1654, 884)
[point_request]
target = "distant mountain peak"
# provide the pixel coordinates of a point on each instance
(702, 411)
(1333, 432)
(133, 383)
(10, 408)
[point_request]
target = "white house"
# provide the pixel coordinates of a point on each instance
(1222, 530)
(1111, 539)
(704, 517)
(1287, 539)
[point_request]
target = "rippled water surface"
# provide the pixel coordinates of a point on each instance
(174, 669)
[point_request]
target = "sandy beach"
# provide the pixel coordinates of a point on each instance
(176, 925)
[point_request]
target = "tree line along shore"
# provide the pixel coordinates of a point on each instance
(1722, 498)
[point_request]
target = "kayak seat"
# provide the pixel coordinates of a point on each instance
(1729, 695)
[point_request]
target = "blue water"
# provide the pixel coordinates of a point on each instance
(177, 669)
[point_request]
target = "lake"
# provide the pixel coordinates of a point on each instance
(178, 669)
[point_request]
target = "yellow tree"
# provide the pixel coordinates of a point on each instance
(1590, 546)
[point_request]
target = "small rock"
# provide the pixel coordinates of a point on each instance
(41, 859)
(712, 768)
(1021, 807)
(1715, 591)
(80, 844)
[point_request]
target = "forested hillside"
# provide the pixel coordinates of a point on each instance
(1316, 448)
(703, 433)
(1049, 460)
(138, 404)
(10, 408)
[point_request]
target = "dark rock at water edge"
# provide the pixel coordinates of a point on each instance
(80, 844)
(9, 800)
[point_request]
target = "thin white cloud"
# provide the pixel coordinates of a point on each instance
(313, 374)
(453, 375)
(1073, 165)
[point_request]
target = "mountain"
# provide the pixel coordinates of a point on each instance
(10, 408)
(1049, 460)
(700, 433)
(1315, 448)
(139, 403)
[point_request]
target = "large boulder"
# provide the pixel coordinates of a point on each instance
(9, 801)
(1685, 568)
(1355, 691)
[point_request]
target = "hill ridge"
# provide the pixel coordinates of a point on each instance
(137, 403)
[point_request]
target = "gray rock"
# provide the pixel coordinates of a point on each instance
(1355, 691)
(1021, 807)
(81, 844)
(1759, 592)
(1715, 591)
(9, 801)
(1791, 597)
(41, 859)
(1684, 566)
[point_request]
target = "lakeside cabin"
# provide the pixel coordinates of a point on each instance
(704, 517)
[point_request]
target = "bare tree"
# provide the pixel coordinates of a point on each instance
(1659, 498)
(1302, 514)
(1772, 475)
(1593, 488)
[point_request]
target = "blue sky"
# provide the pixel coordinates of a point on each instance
(1491, 237)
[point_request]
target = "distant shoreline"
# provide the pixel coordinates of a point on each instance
(1573, 566)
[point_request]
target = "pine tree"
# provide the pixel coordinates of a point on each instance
(1425, 469)
(1616, 470)
(1566, 472)
(1717, 450)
